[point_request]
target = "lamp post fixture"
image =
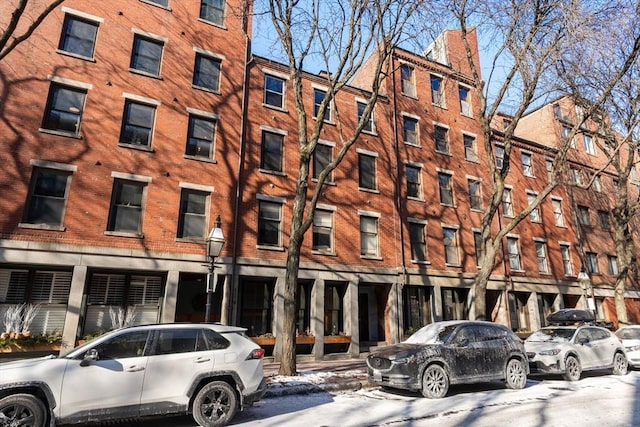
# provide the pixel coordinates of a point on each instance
(587, 290)
(215, 242)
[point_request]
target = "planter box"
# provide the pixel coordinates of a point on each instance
(337, 339)
(23, 348)
(302, 339)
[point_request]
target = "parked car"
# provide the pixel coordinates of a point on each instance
(451, 352)
(571, 349)
(208, 370)
(630, 336)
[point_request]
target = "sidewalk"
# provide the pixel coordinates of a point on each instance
(317, 376)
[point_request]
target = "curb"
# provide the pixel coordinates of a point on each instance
(304, 389)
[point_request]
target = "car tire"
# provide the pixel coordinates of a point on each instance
(435, 382)
(620, 364)
(23, 410)
(516, 374)
(572, 369)
(215, 404)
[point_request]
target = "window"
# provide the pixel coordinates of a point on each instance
(465, 101)
(499, 156)
(408, 80)
(418, 241)
(454, 304)
(269, 223)
(589, 146)
(513, 252)
(48, 197)
(479, 247)
(367, 171)
(322, 156)
(541, 253)
(256, 305)
(612, 263)
(450, 241)
(597, 184)
(334, 308)
(416, 307)
(271, 151)
(470, 150)
(414, 187)
(556, 204)
(566, 131)
(437, 97)
(583, 216)
(318, 97)
(163, 3)
(206, 72)
(137, 123)
(475, 196)
(146, 55)
(125, 214)
(441, 137)
(78, 36)
(527, 164)
(576, 176)
(368, 126)
(274, 91)
(603, 216)
(591, 260)
(445, 183)
(507, 203)
(535, 213)
(200, 137)
(368, 236)
(124, 346)
(64, 109)
(410, 130)
(566, 259)
(193, 214)
(549, 166)
(212, 11)
(323, 230)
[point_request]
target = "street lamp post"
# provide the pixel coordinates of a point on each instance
(215, 242)
(587, 290)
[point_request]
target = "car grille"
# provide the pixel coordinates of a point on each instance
(379, 363)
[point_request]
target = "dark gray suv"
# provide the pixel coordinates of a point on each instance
(451, 352)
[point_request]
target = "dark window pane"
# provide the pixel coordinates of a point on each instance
(146, 55)
(212, 10)
(271, 153)
(200, 138)
(137, 124)
(64, 109)
(207, 73)
(78, 36)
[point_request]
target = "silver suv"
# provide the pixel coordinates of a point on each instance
(208, 370)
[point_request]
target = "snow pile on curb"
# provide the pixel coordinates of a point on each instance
(308, 381)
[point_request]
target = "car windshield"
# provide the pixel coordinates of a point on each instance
(432, 334)
(629, 333)
(552, 335)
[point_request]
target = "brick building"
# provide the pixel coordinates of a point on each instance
(141, 127)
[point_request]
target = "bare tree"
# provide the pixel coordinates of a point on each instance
(25, 17)
(536, 41)
(343, 37)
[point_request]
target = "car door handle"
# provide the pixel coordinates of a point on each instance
(203, 359)
(134, 368)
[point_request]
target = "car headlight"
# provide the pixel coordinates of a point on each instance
(551, 352)
(404, 360)
(633, 348)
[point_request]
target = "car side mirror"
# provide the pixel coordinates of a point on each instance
(89, 357)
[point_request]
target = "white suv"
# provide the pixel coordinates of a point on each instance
(205, 369)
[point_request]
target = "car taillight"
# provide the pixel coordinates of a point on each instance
(258, 353)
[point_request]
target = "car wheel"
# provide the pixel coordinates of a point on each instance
(22, 410)
(620, 364)
(516, 374)
(435, 382)
(573, 370)
(215, 404)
